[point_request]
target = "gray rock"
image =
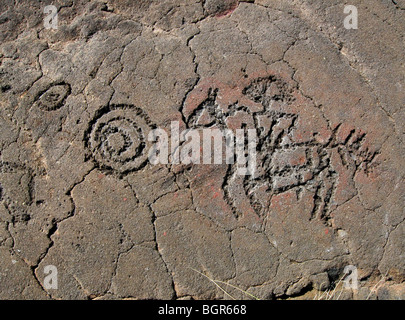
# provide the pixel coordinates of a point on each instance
(77, 190)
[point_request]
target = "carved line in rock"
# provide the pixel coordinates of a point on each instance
(10, 167)
(18, 210)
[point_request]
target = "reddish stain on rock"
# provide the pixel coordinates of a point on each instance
(228, 11)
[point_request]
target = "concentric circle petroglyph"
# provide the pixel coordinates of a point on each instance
(118, 138)
(54, 97)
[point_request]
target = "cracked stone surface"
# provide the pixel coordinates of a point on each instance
(77, 190)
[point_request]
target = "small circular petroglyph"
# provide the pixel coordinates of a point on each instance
(117, 138)
(54, 97)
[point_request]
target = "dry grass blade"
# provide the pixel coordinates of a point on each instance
(213, 281)
(216, 282)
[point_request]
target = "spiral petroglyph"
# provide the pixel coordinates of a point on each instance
(117, 138)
